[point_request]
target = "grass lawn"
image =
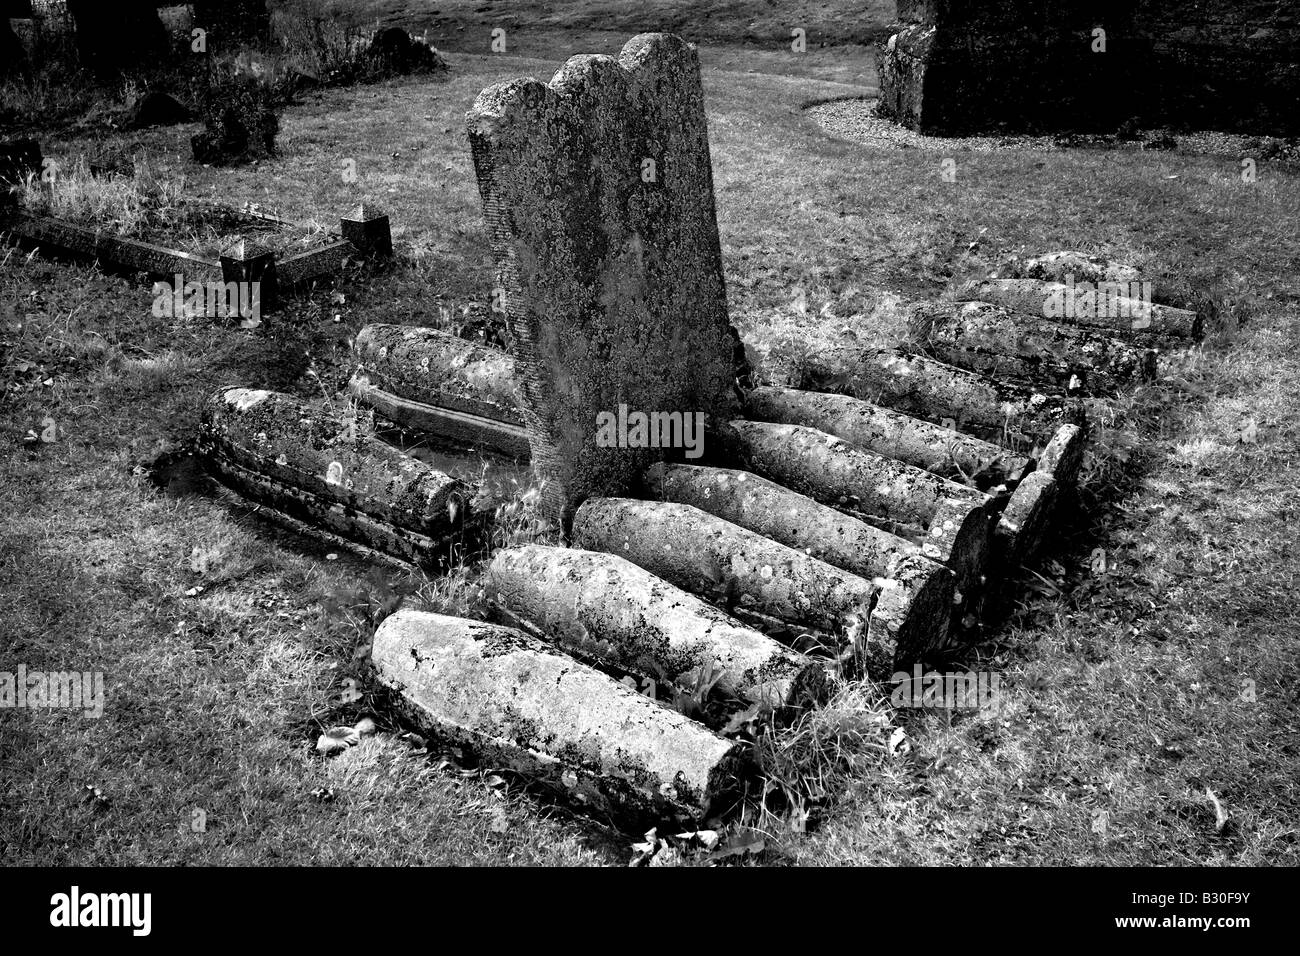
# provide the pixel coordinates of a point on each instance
(228, 646)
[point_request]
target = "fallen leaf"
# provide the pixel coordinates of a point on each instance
(741, 719)
(364, 726)
(667, 856)
(647, 849)
(204, 559)
(1220, 814)
(706, 838)
(740, 843)
(336, 739)
(96, 797)
(898, 742)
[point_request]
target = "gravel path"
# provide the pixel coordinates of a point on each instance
(856, 120)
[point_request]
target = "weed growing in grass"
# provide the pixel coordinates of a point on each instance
(240, 117)
(322, 45)
(130, 205)
(151, 203)
(321, 42)
(51, 85)
(806, 765)
(517, 520)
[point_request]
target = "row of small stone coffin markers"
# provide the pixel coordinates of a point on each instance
(873, 522)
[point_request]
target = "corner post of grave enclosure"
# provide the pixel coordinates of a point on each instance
(248, 262)
(368, 229)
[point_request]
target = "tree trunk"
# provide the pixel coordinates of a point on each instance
(605, 608)
(884, 431)
(518, 705)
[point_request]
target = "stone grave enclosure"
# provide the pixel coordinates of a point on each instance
(362, 233)
(817, 535)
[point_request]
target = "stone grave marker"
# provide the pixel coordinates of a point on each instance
(598, 194)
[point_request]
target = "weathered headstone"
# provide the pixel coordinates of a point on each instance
(598, 194)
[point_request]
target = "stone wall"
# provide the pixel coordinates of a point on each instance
(1229, 64)
(965, 66)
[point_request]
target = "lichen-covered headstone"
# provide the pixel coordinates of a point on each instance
(598, 194)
